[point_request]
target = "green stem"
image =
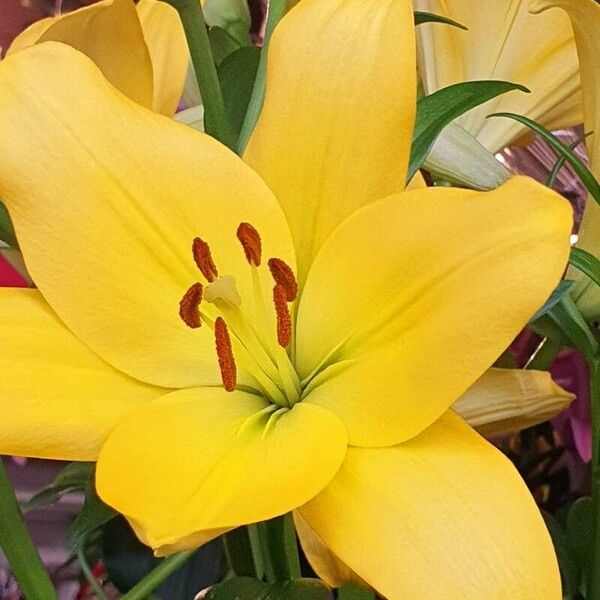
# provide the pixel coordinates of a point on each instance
(242, 547)
(595, 405)
(216, 121)
(351, 592)
(98, 591)
(277, 8)
(280, 549)
(21, 553)
(146, 586)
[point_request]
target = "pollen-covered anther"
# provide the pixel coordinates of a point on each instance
(203, 259)
(189, 306)
(250, 240)
(225, 355)
(284, 276)
(284, 319)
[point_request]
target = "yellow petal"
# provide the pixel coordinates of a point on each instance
(329, 567)
(30, 35)
(108, 32)
(427, 288)
(106, 224)
(60, 400)
(585, 16)
(336, 127)
(189, 542)
(216, 460)
(506, 400)
(504, 42)
(443, 516)
(168, 49)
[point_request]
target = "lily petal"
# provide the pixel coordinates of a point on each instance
(427, 288)
(504, 42)
(106, 224)
(502, 401)
(60, 400)
(444, 514)
(335, 130)
(108, 32)
(328, 566)
(169, 52)
(215, 460)
(585, 17)
(30, 35)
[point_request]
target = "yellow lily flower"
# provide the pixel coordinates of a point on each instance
(235, 339)
(585, 17)
(503, 41)
(140, 48)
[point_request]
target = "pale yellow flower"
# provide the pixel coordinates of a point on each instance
(140, 48)
(503, 42)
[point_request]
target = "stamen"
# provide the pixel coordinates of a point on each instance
(189, 306)
(203, 259)
(284, 276)
(284, 320)
(225, 355)
(250, 240)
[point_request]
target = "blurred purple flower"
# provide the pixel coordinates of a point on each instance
(9, 590)
(573, 425)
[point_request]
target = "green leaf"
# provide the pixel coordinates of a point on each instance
(18, 547)
(132, 566)
(424, 17)
(237, 73)
(568, 567)
(92, 516)
(560, 163)
(352, 592)
(246, 588)
(565, 325)
(7, 231)
(561, 289)
(222, 44)
(277, 8)
(586, 176)
(587, 263)
(439, 109)
(243, 551)
(580, 537)
(75, 477)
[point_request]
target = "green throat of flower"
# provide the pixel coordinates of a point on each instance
(238, 341)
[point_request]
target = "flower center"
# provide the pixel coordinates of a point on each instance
(256, 346)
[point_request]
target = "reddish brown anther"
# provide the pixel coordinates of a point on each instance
(284, 276)
(250, 240)
(284, 319)
(189, 306)
(203, 259)
(225, 355)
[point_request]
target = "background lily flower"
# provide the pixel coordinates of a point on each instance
(348, 315)
(139, 47)
(585, 17)
(508, 400)
(505, 42)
